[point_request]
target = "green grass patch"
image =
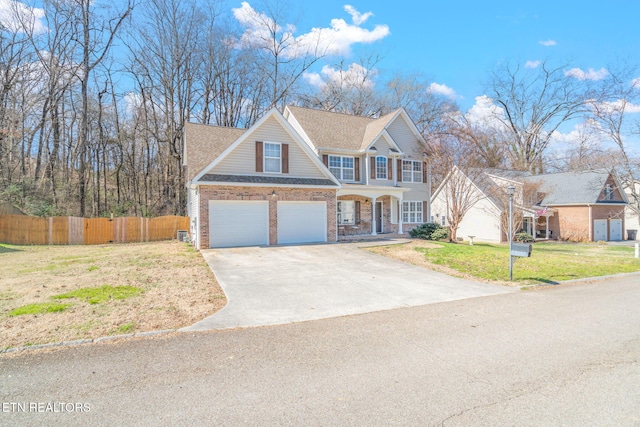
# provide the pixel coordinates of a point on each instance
(93, 268)
(101, 294)
(127, 328)
(39, 308)
(549, 262)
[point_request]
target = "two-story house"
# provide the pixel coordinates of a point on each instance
(305, 176)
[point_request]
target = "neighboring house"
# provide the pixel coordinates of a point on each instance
(577, 206)
(631, 217)
(305, 176)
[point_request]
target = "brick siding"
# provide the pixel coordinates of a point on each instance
(215, 192)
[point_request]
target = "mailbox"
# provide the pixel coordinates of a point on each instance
(521, 249)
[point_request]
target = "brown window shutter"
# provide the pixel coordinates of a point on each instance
(259, 156)
(373, 168)
(399, 170)
(357, 211)
(424, 211)
(390, 169)
(424, 172)
(285, 158)
(325, 159)
(356, 171)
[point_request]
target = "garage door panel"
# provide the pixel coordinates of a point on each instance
(615, 229)
(302, 222)
(238, 223)
(599, 229)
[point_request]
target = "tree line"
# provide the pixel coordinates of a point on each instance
(94, 96)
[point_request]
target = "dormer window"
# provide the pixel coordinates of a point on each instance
(608, 192)
(381, 167)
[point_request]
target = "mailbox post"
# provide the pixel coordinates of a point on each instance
(511, 190)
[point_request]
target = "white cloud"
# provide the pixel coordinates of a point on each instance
(591, 74)
(485, 113)
(357, 17)
(532, 64)
(354, 76)
(335, 40)
(442, 89)
(15, 16)
(621, 105)
(635, 83)
(548, 42)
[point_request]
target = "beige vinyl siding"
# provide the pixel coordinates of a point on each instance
(296, 126)
(481, 221)
(242, 161)
(405, 139)
(383, 145)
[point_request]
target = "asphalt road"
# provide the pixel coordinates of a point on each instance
(567, 355)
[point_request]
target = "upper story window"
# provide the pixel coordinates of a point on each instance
(342, 167)
(272, 157)
(608, 192)
(411, 171)
(381, 167)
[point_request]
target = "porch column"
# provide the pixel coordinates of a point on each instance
(534, 223)
(366, 169)
(373, 217)
(547, 225)
(400, 214)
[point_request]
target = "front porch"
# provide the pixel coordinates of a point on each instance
(538, 223)
(366, 213)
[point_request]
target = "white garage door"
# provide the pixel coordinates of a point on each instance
(599, 229)
(302, 222)
(238, 223)
(615, 229)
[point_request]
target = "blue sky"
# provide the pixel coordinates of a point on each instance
(458, 44)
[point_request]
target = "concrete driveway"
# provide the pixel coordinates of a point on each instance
(284, 284)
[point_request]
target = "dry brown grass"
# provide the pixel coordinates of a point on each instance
(179, 289)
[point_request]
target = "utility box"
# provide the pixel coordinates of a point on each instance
(521, 249)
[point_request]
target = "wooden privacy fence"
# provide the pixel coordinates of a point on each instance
(68, 230)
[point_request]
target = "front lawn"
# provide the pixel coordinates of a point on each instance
(549, 263)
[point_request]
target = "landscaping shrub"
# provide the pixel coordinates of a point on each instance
(440, 233)
(427, 231)
(524, 237)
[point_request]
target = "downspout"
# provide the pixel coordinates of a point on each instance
(591, 236)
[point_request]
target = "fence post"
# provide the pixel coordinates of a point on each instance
(50, 230)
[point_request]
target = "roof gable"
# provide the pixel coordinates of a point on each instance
(312, 167)
(571, 188)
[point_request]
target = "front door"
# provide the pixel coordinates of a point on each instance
(378, 217)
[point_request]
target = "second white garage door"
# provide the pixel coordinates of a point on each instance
(615, 229)
(238, 223)
(302, 222)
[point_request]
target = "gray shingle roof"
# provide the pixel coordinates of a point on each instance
(255, 179)
(571, 187)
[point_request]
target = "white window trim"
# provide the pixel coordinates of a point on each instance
(340, 218)
(386, 168)
(418, 213)
(341, 168)
(412, 172)
(264, 157)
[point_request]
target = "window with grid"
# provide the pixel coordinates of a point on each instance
(342, 167)
(346, 212)
(272, 157)
(412, 212)
(411, 171)
(381, 167)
